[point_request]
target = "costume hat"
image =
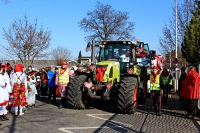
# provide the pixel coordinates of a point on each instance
(19, 68)
(64, 63)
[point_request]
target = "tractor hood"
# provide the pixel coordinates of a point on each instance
(107, 71)
(109, 62)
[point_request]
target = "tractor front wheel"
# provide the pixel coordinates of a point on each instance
(75, 94)
(127, 96)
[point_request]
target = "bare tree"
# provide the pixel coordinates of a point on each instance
(25, 41)
(61, 54)
(167, 40)
(182, 61)
(105, 23)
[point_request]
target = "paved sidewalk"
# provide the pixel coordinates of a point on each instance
(173, 118)
(104, 117)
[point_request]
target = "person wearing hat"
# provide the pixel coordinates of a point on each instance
(7, 88)
(31, 80)
(19, 85)
(3, 99)
(156, 85)
(62, 80)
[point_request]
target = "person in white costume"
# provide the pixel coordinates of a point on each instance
(32, 91)
(7, 89)
(3, 101)
(19, 85)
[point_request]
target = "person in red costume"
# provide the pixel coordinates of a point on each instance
(190, 91)
(62, 80)
(19, 85)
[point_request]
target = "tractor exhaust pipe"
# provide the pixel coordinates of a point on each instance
(93, 51)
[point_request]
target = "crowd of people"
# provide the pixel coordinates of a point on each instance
(19, 87)
(189, 89)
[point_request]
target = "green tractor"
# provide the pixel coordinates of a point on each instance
(119, 74)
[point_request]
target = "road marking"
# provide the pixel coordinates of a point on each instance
(80, 128)
(93, 115)
(122, 125)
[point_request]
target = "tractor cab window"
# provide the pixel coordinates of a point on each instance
(142, 50)
(146, 49)
(122, 54)
(115, 51)
(101, 54)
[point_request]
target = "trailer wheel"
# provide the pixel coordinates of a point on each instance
(75, 92)
(127, 96)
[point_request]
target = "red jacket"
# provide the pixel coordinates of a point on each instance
(44, 78)
(191, 86)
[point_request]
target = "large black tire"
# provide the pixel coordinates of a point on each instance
(126, 101)
(75, 92)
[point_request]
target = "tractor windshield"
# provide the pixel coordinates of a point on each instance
(115, 51)
(118, 52)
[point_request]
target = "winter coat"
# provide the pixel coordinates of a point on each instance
(191, 86)
(51, 79)
(44, 78)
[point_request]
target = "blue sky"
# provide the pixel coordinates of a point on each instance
(61, 18)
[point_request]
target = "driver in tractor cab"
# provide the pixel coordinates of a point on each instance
(127, 53)
(120, 51)
(108, 54)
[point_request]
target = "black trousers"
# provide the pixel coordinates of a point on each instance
(52, 91)
(157, 100)
(43, 90)
(165, 94)
(192, 107)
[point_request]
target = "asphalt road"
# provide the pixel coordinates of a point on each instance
(104, 117)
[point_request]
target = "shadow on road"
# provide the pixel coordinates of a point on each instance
(12, 128)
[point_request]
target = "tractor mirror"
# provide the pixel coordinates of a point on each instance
(152, 54)
(101, 46)
(88, 44)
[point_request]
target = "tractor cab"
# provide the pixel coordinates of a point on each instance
(142, 54)
(118, 51)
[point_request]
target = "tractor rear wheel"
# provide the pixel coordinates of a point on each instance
(75, 92)
(127, 96)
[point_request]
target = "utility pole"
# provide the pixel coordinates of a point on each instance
(176, 29)
(170, 55)
(176, 55)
